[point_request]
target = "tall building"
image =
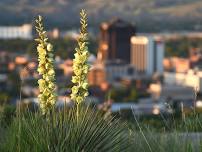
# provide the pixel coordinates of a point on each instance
(114, 40)
(147, 54)
(14, 32)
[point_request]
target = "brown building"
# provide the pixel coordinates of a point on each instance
(96, 76)
(115, 40)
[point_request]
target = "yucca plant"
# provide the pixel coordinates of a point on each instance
(93, 133)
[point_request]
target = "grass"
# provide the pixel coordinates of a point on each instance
(2, 131)
(183, 136)
(168, 142)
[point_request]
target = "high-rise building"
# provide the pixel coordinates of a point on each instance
(147, 54)
(114, 40)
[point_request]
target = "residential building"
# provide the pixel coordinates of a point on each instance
(182, 65)
(195, 54)
(195, 58)
(177, 64)
(55, 33)
(66, 66)
(14, 32)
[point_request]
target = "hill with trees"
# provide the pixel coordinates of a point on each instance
(149, 15)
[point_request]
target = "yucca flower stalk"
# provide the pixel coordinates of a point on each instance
(47, 87)
(80, 66)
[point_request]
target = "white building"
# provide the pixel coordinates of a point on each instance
(14, 32)
(147, 54)
(190, 79)
(172, 92)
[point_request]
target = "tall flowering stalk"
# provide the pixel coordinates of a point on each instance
(80, 66)
(47, 87)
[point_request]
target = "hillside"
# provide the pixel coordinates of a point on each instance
(149, 15)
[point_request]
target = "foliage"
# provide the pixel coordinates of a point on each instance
(4, 98)
(149, 15)
(7, 114)
(123, 94)
(180, 47)
(117, 94)
(63, 132)
(47, 87)
(63, 46)
(80, 66)
(14, 84)
(133, 94)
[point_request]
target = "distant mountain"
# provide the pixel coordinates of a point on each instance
(149, 15)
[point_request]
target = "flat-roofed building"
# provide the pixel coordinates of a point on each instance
(114, 42)
(191, 79)
(176, 92)
(14, 32)
(147, 54)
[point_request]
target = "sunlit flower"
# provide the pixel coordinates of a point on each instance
(47, 96)
(80, 66)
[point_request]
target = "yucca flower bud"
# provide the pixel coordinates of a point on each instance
(47, 87)
(80, 66)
